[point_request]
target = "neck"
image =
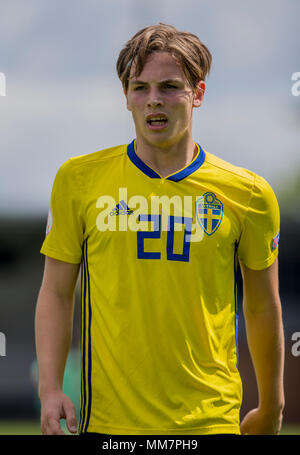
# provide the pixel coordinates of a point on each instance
(166, 160)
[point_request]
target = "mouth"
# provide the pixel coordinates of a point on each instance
(157, 121)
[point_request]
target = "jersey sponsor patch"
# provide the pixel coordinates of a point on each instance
(209, 211)
(275, 241)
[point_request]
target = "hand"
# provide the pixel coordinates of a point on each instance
(56, 406)
(259, 422)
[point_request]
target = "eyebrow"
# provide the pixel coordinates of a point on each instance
(167, 81)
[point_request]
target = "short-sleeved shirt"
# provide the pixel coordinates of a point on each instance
(159, 285)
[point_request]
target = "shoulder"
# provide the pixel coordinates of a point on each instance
(230, 170)
(239, 177)
(101, 156)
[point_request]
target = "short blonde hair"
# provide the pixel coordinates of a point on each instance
(191, 54)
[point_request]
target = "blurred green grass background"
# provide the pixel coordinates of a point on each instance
(33, 428)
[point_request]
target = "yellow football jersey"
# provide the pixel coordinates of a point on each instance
(159, 285)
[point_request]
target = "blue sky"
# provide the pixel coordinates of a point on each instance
(63, 97)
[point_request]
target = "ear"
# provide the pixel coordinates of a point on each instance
(199, 94)
(126, 96)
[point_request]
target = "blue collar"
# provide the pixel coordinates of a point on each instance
(177, 176)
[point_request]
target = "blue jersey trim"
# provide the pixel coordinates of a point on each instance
(83, 348)
(86, 349)
(176, 177)
(139, 163)
(192, 167)
(89, 345)
(236, 303)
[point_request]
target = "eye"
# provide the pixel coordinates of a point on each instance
(138, 87)
(171, 86)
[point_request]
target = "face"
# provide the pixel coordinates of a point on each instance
(161, 101)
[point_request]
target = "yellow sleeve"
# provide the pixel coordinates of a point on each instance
(65, 224)
(258, 245)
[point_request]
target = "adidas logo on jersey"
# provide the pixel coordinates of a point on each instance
(121, 209)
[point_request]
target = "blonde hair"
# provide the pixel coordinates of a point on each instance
(191, 54)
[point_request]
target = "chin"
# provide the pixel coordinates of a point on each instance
(159, 139)
(160, 142)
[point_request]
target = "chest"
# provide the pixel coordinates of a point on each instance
(160, 220)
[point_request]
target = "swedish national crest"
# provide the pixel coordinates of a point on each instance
(209, 212)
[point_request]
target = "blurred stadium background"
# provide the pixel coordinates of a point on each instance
(63, 98)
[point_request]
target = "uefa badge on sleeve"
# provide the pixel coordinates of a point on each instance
(275, 241)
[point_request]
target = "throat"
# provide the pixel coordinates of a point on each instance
(167, 161)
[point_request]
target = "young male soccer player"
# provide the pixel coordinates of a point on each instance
(158, 227)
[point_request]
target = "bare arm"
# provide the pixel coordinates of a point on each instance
(53, 333)
(263, 317)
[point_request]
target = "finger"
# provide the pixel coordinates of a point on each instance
(53, 427)
(70, 417)
(243, 428)
(72, 426)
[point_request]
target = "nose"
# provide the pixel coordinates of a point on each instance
(154, 98)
